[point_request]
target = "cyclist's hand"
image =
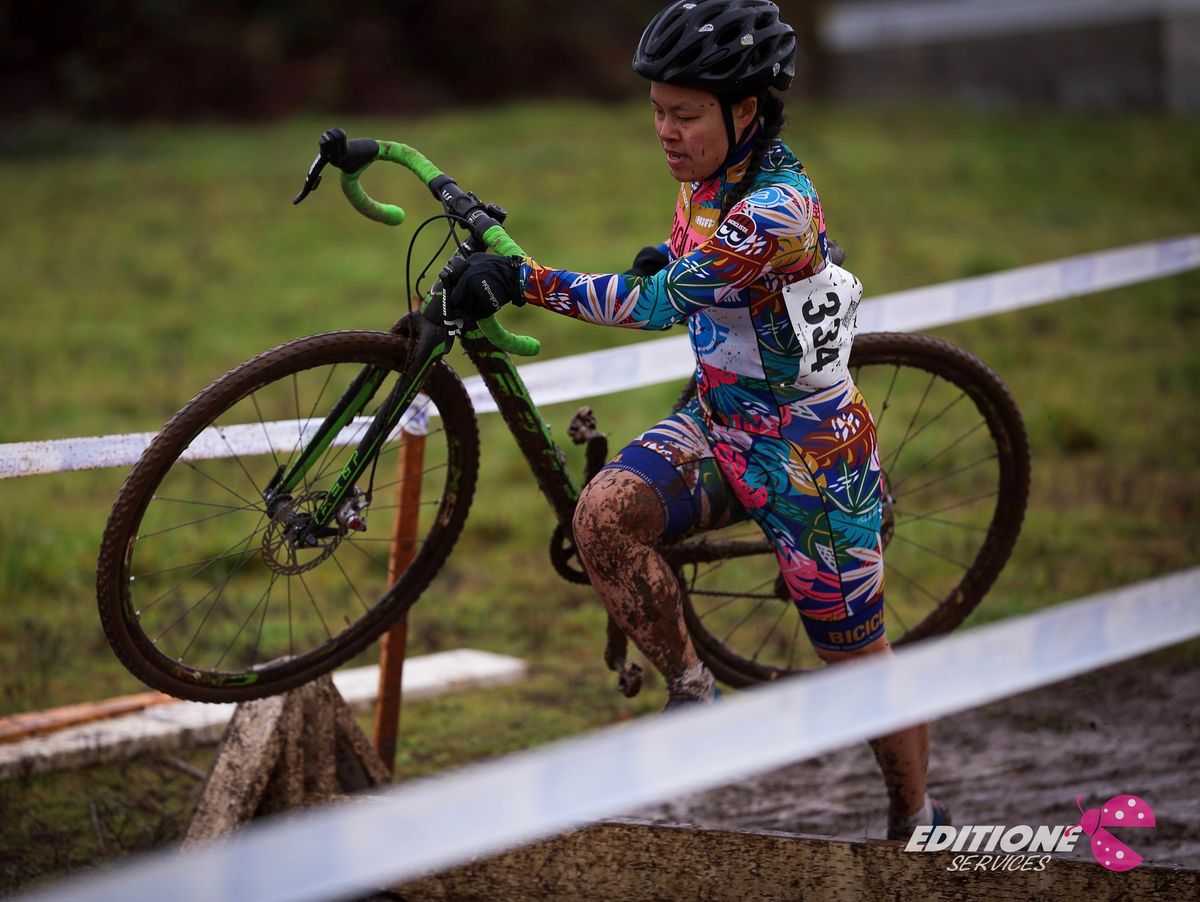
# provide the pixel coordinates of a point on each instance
(837, 256)
(487, 284)
(347, 155)
(648, 261)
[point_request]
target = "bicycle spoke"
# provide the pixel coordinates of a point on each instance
(331, 462)
(251, 603)
(316, 607)
(436, 468)
(745, 618)
(262, 422)
(758, 651)
(791, 662)
(955, 471)
(202, 564)
(262, 622)
(374, 560)
(349, 582)
(965, 468)
(217, 589)
(256, 505)
(303, 420)
(237, 458)
(939, 521)
(893, 571)
(890, 461)
(893, 612)
(224, 513)
(898, 482)
(290, 625)
(964, 502)
(262, 602)
(909, 437)
(730, 596)
(915, 544)
(197, 503)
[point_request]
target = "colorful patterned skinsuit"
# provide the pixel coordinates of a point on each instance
(778, 428)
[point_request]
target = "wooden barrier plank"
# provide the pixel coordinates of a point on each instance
(629, 859)
(166, 727)
(16, 727)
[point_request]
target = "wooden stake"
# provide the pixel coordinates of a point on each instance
(410, 461)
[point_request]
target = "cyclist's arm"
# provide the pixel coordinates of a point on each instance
(772, 229)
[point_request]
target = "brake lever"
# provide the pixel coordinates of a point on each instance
(312, 179)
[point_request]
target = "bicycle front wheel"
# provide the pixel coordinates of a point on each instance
(204, 592)
(955, 461)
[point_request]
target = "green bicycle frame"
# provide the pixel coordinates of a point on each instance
(487, 345)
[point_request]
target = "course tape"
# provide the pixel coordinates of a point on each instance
(646, 363)
(432, 824)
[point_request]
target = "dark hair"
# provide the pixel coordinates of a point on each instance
(770, 110)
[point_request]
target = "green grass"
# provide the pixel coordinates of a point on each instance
(137, 265)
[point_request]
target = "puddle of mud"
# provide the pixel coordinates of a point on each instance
(1132, 728)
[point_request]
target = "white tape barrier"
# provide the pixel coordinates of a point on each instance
(282, 436)
(652, 362)
(432, 824)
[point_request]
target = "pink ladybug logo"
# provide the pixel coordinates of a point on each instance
(1119, 811)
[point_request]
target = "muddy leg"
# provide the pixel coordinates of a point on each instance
(617, 521)
(903, 756)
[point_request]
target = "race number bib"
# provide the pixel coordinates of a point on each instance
(823, 309)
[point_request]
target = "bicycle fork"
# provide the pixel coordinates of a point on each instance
(307, 525)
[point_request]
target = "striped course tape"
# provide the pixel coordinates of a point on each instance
(662, 360)
(432, 824)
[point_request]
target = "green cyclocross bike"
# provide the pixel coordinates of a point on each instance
(268, 533)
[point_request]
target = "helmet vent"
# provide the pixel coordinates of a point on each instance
(727, 47)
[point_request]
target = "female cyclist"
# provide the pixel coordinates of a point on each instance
(778, 430)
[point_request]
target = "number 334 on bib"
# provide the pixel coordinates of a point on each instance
(823, 310)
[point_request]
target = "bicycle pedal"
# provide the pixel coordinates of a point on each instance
(583, 426)
(629, 679)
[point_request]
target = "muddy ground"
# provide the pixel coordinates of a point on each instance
(1133, 728)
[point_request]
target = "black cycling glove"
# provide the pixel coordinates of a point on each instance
(487, 284)
(648, 261)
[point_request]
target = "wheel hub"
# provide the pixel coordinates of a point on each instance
(291, 544)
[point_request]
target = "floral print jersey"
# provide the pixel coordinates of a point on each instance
(778, 422)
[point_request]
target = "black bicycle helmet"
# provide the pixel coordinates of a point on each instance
(732, 48)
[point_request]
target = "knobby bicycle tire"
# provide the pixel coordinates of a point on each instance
(735, 605)
(197, 609)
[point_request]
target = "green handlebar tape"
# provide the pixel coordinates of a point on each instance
(520, 345)
(409, 158)
(499, 241)
(389, 214)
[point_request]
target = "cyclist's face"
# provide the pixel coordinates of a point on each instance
(691, 129)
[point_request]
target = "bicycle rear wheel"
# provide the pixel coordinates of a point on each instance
(956, 474)
(201, 592)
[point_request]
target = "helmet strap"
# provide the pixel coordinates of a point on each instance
(735, 140)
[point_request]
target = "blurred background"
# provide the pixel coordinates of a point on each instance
(181, 59)
(149, 152)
